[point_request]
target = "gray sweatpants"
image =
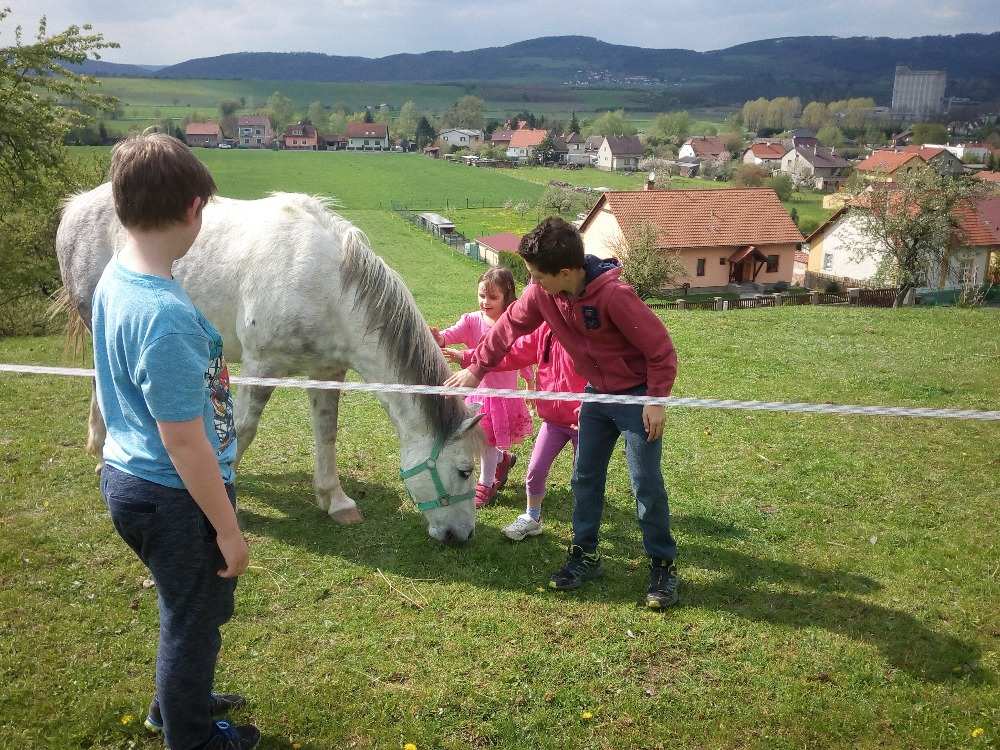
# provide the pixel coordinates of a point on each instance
(173, 538)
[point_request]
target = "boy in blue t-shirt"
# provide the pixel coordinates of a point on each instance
(163, 388)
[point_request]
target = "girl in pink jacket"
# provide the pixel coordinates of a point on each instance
(555, 372)
(506, 421)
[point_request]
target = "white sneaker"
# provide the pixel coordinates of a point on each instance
(524, 525)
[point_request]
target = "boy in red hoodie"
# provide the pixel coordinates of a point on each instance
(620, 346)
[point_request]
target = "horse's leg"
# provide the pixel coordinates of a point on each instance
(97, 432)
(249, 405)
(329, 494)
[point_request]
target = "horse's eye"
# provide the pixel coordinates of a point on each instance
(465, 473)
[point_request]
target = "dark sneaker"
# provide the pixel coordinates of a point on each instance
(580, 567)
(663, 583)
(222, 703)
(229, 737)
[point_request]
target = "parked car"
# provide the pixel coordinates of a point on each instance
(225, 145)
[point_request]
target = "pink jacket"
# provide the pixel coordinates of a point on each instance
(555, 373)
(615, 341)
(470, 329)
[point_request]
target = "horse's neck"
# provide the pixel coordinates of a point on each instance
(404, 409)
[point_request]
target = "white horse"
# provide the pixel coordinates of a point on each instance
(294, 288)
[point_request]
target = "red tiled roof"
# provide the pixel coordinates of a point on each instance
(252, 120)
(801, 257)
(887, 161)
(505, 242)
(527, 138)
(501, 136)
(367, 130)
(980, 222)
(988, 176)
(926, 152)
(706, 145)
(768, 150)
(203, 128)
(703, 218)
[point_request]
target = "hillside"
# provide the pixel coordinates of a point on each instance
(820, 67)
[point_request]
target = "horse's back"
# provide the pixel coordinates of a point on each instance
(84, 244)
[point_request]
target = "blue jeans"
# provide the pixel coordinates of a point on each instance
(600, 427)
(174, 539)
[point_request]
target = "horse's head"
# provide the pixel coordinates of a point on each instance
(440, 475)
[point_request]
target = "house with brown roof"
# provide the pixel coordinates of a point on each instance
(492, 245)
(886, 163)
(619, 154)
(816, 167)
(593, 143)
(940, 158)
(704, 147)
(767, 155)
(523, 143)
(367, 136)
(300, 136)
(723, 236)
(838, 246)
(254, 131)
(501, 137)
(206, 134)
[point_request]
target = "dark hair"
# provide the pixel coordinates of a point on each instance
(552, 246)
(154, 179)
(502, 280)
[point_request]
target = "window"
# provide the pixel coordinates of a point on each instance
(722, 260)
(701, 267)
(827, 261)
(772, 263)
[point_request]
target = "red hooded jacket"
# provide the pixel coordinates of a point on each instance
(615, 341)
(555, 373)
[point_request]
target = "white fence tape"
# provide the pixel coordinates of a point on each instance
(602, 398)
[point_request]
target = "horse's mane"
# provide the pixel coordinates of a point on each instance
(390, 310)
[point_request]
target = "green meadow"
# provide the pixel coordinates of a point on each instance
(840, 575)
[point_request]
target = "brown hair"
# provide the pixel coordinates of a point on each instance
(154, 179)
(552, 246)
(502, 280)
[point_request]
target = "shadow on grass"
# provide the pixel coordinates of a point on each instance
(751, 587)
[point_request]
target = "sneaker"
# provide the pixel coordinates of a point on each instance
(663, 584)
(229, 737)
(484, 495)
(524, 525)
(580, 567)
(507, 461)
(221, 704)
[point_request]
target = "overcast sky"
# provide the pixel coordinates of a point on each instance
(170, 31)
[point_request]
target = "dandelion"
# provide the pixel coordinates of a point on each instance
(127, 719)
(977, 732)
(409, 746)
(296, 745)
(586, 715)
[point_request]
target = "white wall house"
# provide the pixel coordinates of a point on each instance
(461, 137)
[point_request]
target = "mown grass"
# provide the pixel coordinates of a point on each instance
(840, 574)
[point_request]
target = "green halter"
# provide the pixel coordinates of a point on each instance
(444, 498)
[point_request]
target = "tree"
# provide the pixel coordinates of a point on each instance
(909, 226)
(782, 185)
(929, 132)
(368, 116)
(611, 123)
(815, 115)
(830, 135)
(646, 267)
(546, 150)
(733, 143)
(406, 123)
(228, 120)
(316, 114)
(336, 123)
(749, 175)
(672, 127)
(467, 112)
(425, 133)
(574, 124)
(282, 109)
(37, 94)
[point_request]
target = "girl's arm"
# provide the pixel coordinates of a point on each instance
(460, 333)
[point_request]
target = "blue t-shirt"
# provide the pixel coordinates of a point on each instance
(157, 359)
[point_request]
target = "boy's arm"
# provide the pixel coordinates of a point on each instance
(521, 356)
(646, 332)
(193, 457)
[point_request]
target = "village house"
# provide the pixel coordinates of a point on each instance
(576, 150)
(254, 131)
(767, 155)
(838, 247)
(705, 147)
(993, 177)
(593, 143)
(301, 136)
(460, 137)
(619, 154)
(335, 141)
(816, 167)
(941, 159)
(501, 137)
(889, 164)
(524, 142)
(367, 136)
(206, 134)
(800, 137)
(723, 237)
(490, 247)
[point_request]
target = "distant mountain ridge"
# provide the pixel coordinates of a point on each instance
(809, 65)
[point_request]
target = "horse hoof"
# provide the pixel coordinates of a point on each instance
(347, 516)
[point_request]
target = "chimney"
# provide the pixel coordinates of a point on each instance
(814, 149)
(651, 181)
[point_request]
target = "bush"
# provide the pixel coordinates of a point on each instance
(780, 286)
(513, 263)
(749, 175)
(782, 185)
(833, 287)
(808, 226)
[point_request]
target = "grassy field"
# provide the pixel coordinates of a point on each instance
(839, 574)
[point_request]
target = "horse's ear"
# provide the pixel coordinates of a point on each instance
(471, 421)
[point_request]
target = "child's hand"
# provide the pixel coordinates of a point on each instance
(462, 379)
(453, 355)
(235, 552)
(436, 333)
(653, 417)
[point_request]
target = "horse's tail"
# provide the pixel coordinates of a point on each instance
(62, 304)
